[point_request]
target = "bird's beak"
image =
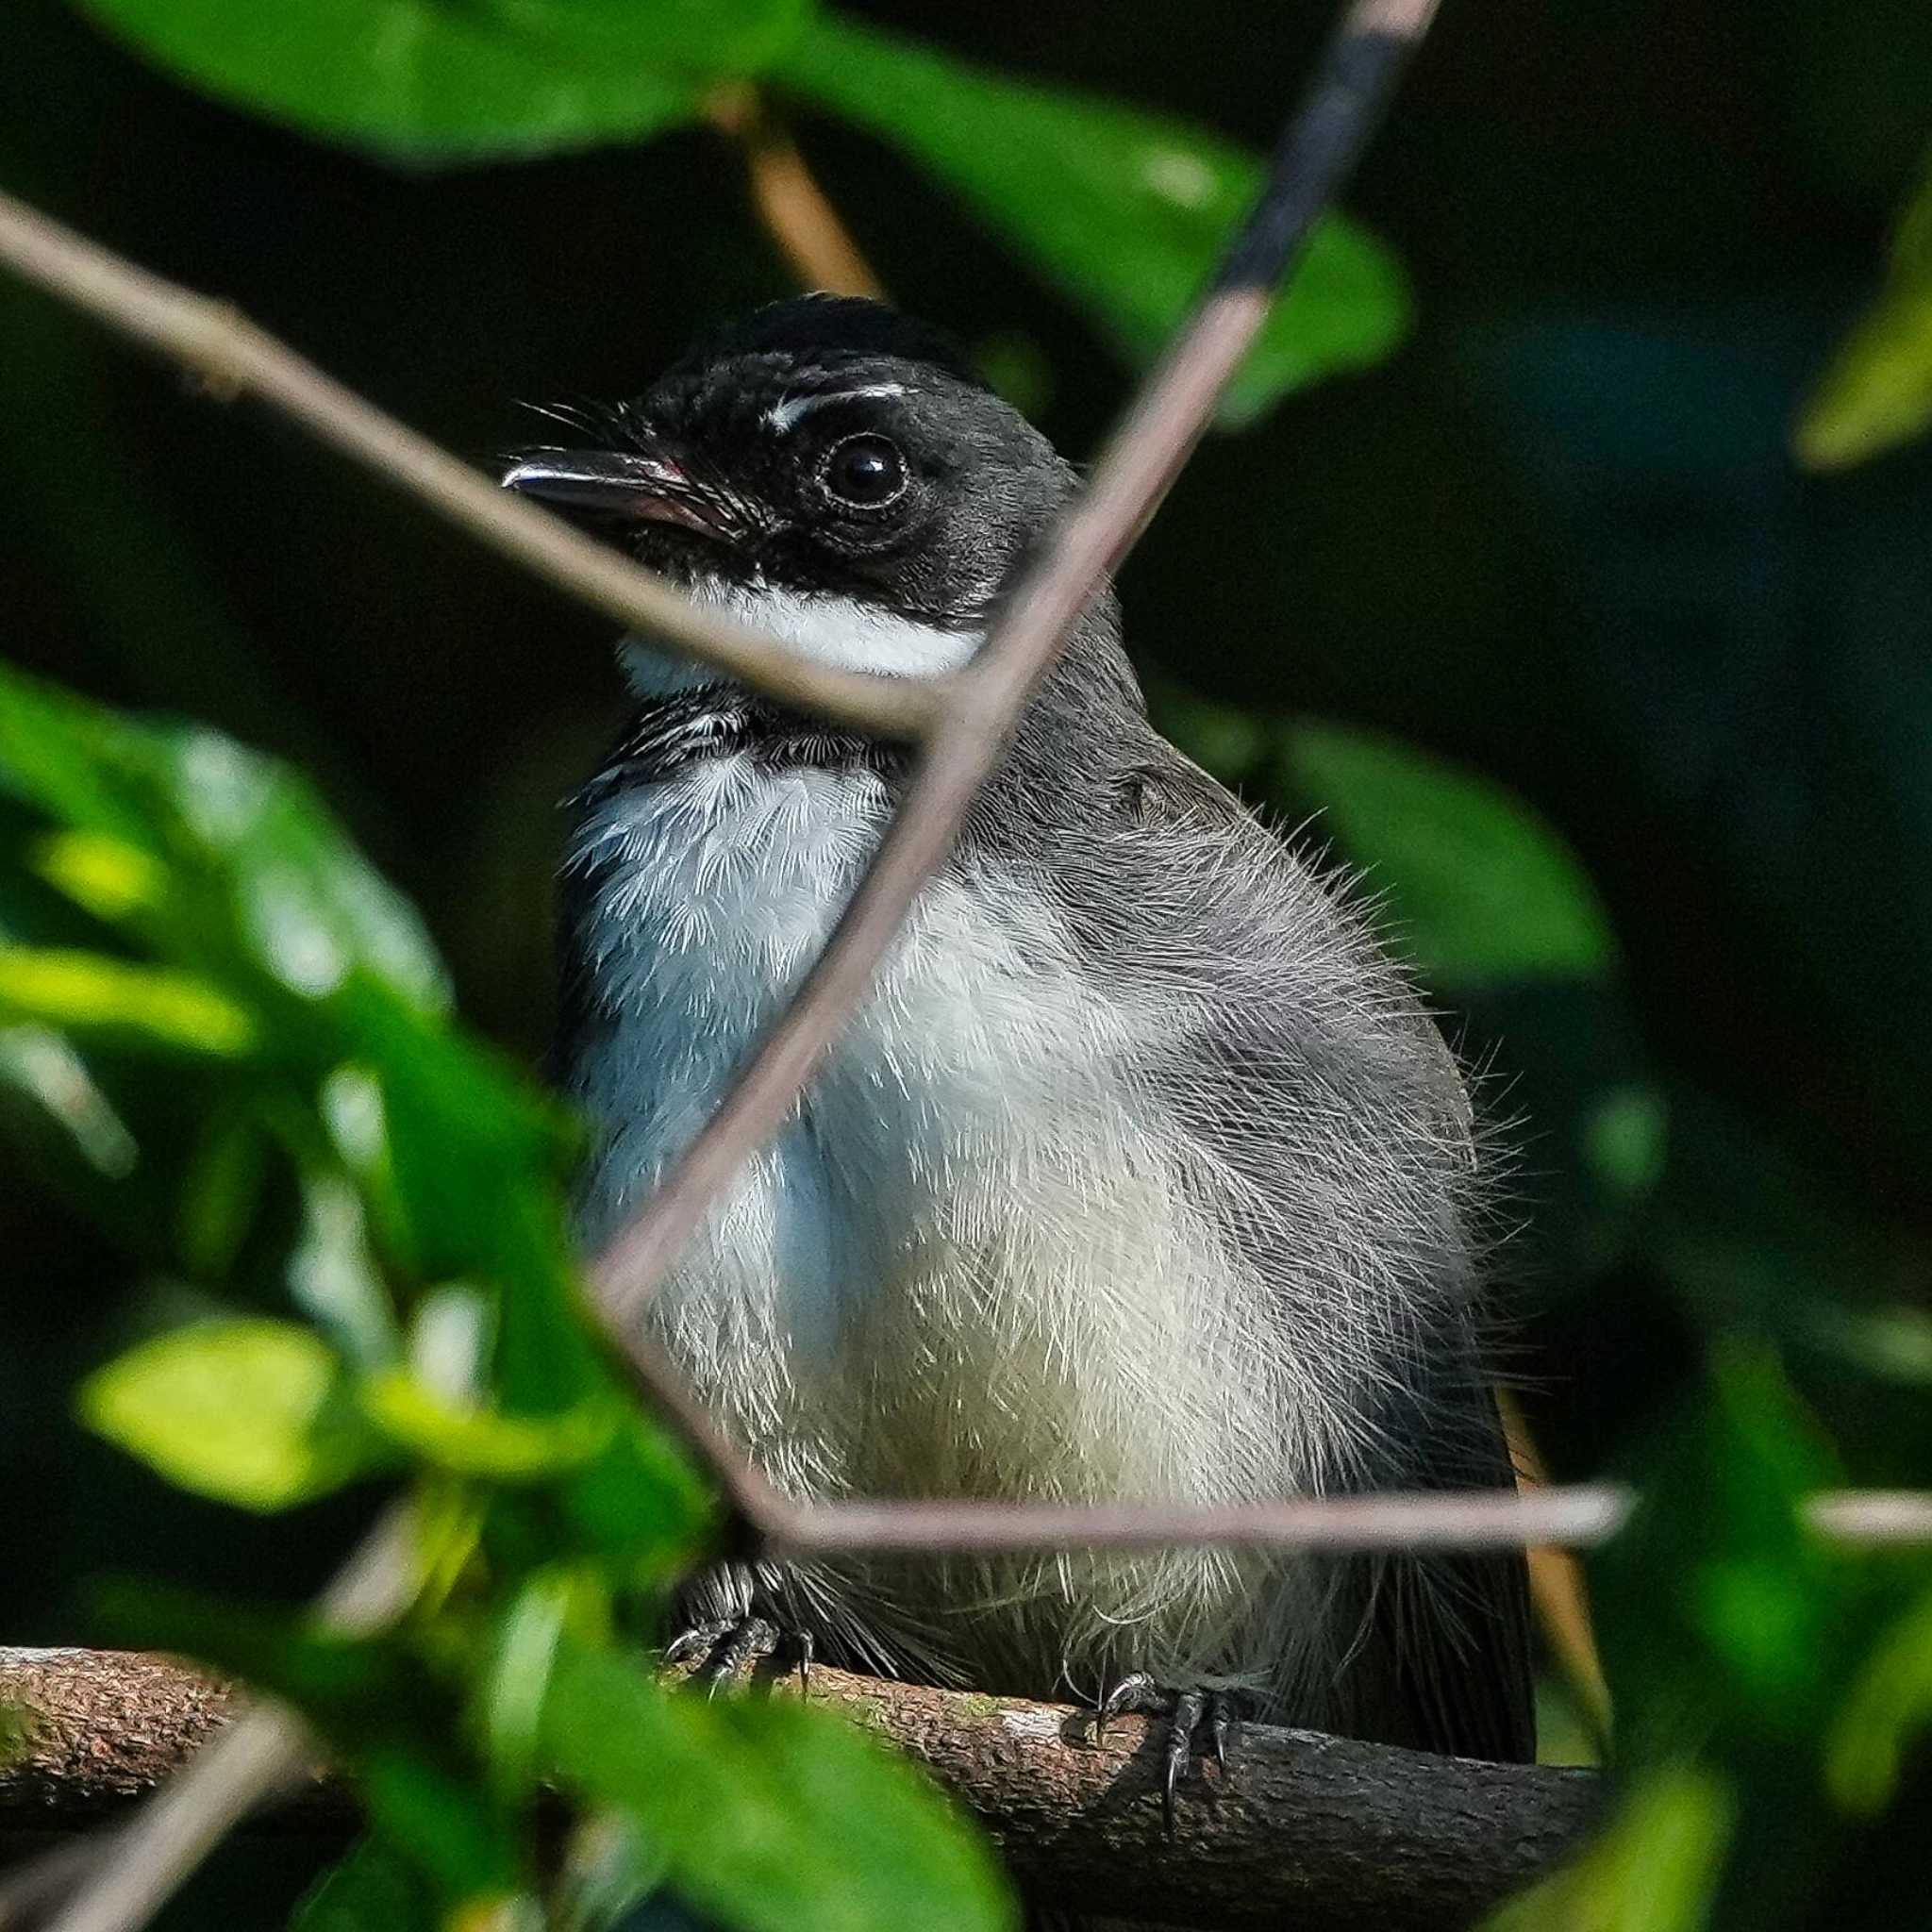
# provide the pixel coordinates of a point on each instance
(622, 483)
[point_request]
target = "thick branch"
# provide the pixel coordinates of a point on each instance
(1305, 1829)
(234, 356)
(259, 1748)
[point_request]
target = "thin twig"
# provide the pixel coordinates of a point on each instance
(1574, 1517)
(234, 356)
(1873, 1519)
(793, 206)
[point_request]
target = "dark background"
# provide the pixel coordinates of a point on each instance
(1559, 537)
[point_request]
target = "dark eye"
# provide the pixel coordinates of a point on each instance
(865, 471)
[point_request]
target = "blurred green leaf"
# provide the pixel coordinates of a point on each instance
(1125, 210)
(333, 1278)
(374, 1888)
(1890, 1704)
(352, 1689)
(515, 1684)
(1877, 391)
(1654, 1868)
(1625, 1136)
(1743, 1651)
(1894, 1342)
(249, 1412)
(220, 1194)
(484, 1442)
(441, 1812)
(252, 863)
(108, 877)
(428, 79)
(1481, 887)
(88, 992)
(770, 1816)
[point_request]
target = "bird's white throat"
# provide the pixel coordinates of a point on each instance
(843, 632)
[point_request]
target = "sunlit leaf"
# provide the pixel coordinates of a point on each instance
(770, 1816)
(85, 992)
(109, 876)
(247, 1411)
(433, 79)
(475, 1441)
(238, 853)
(515, 1685)
(1124, 209)
(1877, 391)
(1481, 888)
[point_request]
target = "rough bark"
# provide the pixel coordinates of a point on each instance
(1307, 1830)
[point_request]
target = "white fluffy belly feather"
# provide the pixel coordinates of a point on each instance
(970, 1264)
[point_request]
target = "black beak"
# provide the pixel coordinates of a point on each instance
(620, 483)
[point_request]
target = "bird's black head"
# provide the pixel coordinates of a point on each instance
(825, 468)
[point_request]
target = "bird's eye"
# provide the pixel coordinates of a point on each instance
(867, 472)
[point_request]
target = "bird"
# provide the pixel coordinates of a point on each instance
(1143, 1174)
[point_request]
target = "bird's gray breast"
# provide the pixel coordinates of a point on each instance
(976, 1261)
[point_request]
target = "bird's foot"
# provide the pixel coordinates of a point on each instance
(730, 1645)
(1185, 1713)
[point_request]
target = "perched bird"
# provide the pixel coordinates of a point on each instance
(1142, 1175)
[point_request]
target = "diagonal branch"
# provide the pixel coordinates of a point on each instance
(233, 356)
(1143, 459)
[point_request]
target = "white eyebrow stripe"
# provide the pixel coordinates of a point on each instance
(786, 414)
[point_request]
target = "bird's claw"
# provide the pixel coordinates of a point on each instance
(1184, 1712)
(730, 1645)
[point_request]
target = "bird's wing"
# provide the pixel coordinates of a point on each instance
(1444, 1660)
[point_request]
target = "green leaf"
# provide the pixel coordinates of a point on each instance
(1482, 889)
(770, 1816)
(1124, 209)
(457, 78)
(485, 1443)
(108, 877)
(250, 868)
(372, 1889)
(515, 1685)
(1626, 1137)
(75, 991)
(1890, 1705)
(249, 1412)
(1877, 391)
